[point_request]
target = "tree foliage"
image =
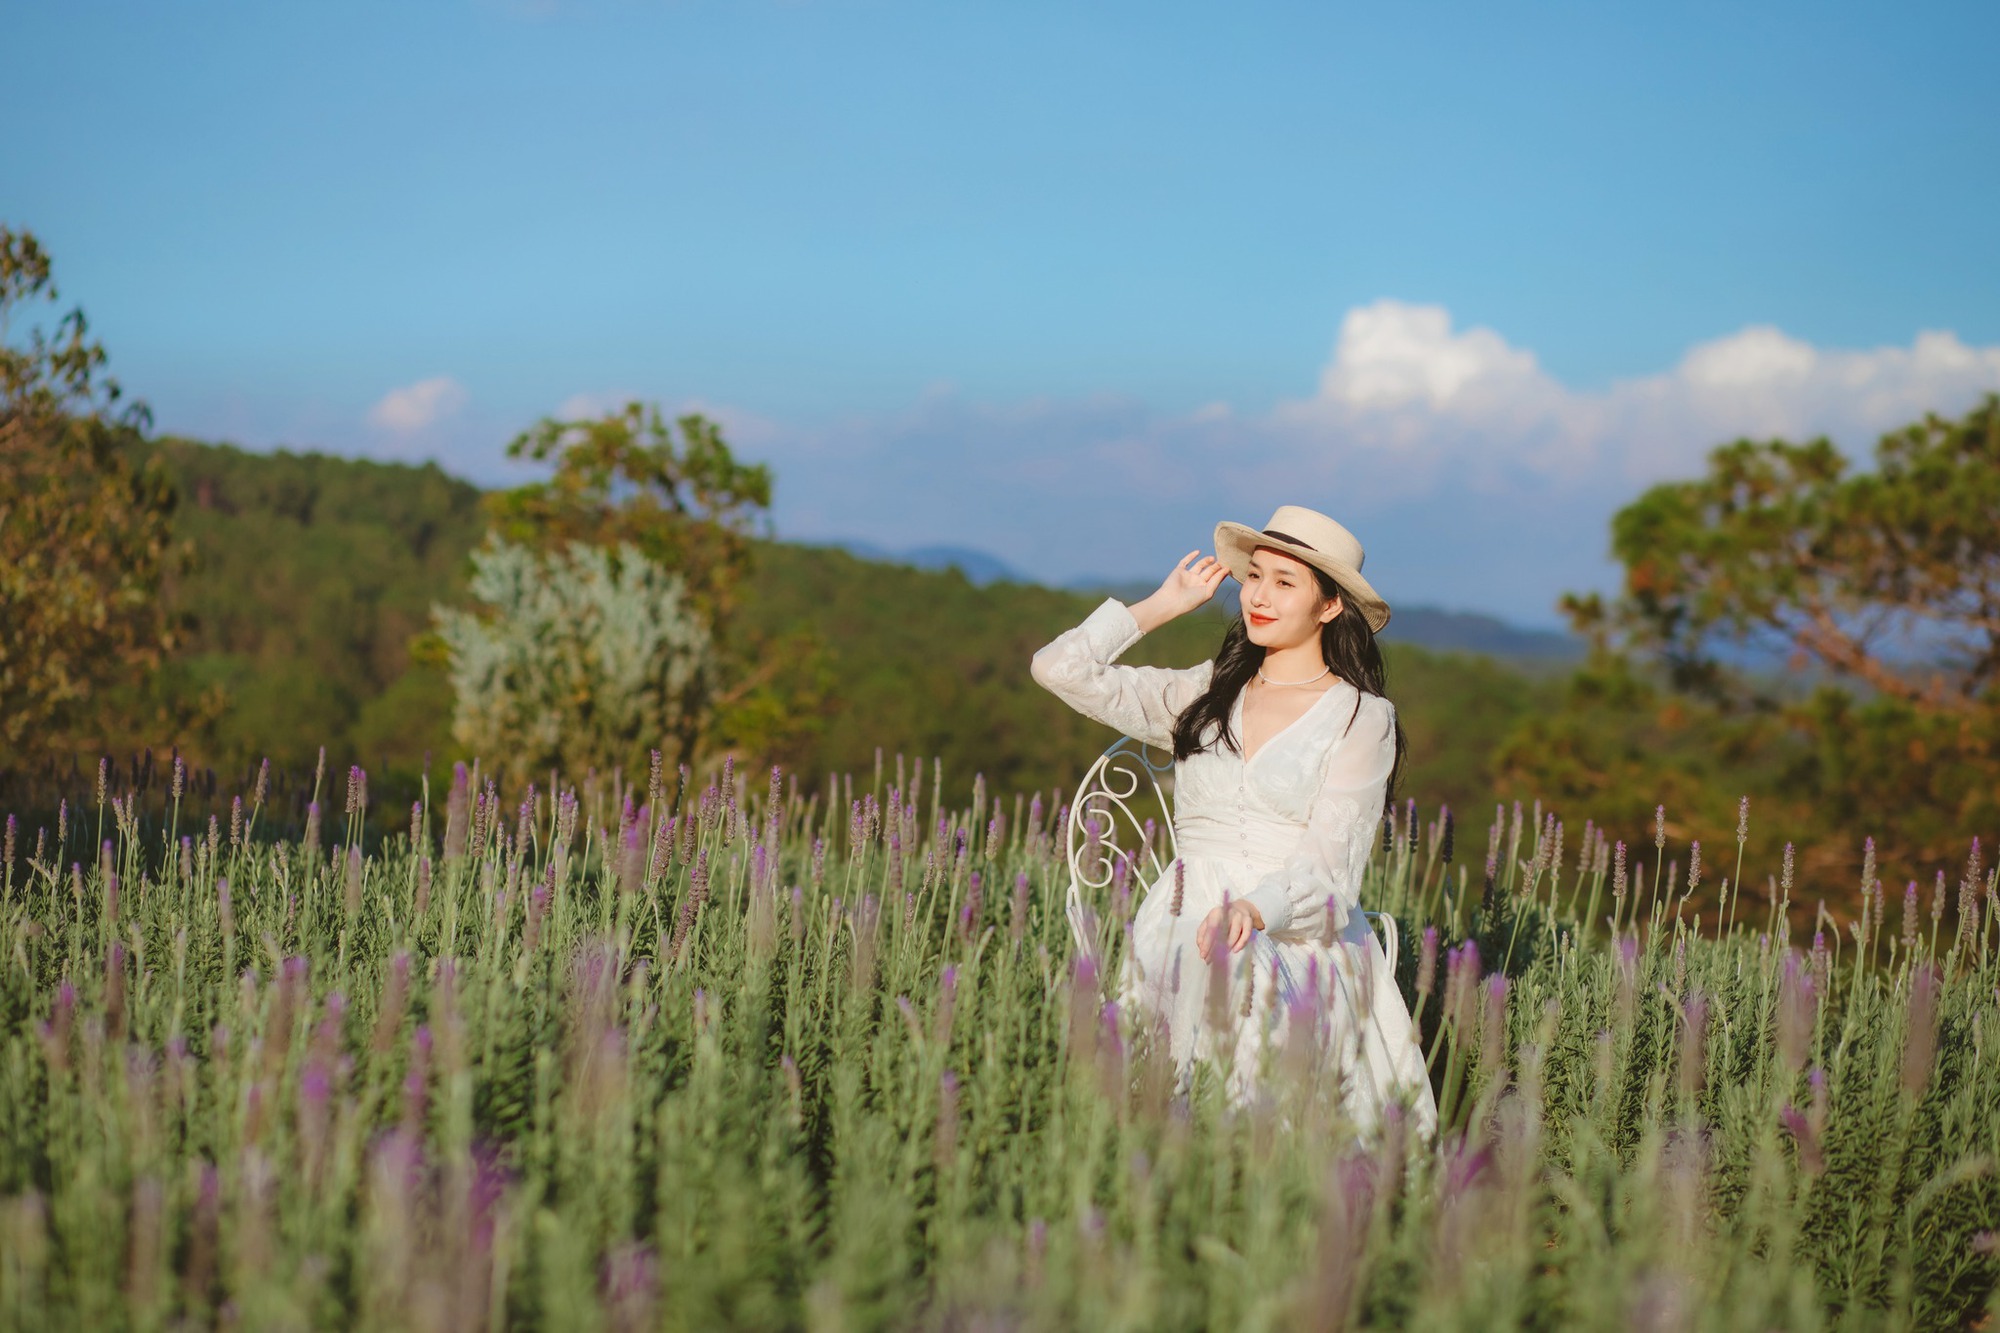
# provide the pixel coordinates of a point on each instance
(310, 576)
(681, 499)
(1879, 590)
(574, 660)
(85, 535)
(687, 504)
(1856, 572)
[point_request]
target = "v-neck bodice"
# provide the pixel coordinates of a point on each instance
(1239, 707)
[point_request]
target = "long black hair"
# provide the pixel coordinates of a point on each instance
(1346, 644)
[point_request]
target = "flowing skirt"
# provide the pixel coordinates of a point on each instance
(1325, 1011)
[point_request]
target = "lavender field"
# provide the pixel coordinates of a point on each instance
(733, 1054)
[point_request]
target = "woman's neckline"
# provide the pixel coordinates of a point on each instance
(1277, 735)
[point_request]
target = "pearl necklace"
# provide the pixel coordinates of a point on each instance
(1288, 683)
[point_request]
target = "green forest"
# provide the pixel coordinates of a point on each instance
(310, 578)
(1796, 632)
(297, 593)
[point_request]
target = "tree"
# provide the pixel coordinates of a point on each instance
(683, 503)
(574, 660)
(1889, 579)
(1880, 591)
(84, 534)
(688, 505)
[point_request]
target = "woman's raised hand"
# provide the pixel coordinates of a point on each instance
(1192, 582)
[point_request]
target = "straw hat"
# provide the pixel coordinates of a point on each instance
(1308, 535)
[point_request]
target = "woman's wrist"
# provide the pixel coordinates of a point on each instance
(1152, 612)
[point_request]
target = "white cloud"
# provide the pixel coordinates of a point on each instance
(587, 406)
(1475, 477)
(1405, 397)
(1760, 357)
(419, 406)
(1392, 355)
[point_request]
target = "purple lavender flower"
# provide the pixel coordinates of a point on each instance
(663, 846)
(1493, 1030)
(946, 1141)
(1464, 1168)
(969, 922)
(630, 1288)
(1812, 1158)
(395, 994)
(1798, 1007)
(1920, 1031)
(1220, 1017)
(1461, 979)
(946, 1004)
(1693, 1066)
(315, 1092)
(353, 901)
(698, 880)
(416, 1079)
(1083, 1004)
(1968, 897)
(456, 810)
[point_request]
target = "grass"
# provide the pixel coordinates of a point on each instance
(742, 1056)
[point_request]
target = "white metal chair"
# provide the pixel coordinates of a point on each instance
(1117, 794)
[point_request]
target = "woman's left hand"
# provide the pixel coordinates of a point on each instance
(1234, 923)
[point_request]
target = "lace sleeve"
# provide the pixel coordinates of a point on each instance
(1142, 702)
(1327, 864)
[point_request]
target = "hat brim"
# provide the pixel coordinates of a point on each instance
(1235, 541)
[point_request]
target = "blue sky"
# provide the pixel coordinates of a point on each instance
(1065, 282)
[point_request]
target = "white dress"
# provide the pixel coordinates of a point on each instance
(1289, 830)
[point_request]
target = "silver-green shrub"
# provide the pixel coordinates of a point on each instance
(573, 660)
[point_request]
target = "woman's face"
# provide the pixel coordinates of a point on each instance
(1281, 601)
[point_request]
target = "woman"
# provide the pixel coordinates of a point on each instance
(1285, 755)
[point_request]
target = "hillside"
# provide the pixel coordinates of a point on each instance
(313, 574)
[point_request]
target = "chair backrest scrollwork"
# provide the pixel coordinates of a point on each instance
(1109, 818)
(1108, 823)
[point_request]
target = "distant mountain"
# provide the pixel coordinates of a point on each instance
(1474, 632)
(978, 567)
